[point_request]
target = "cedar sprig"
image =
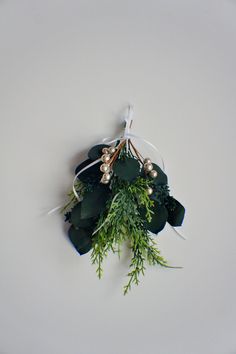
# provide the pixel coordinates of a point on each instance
(123, 221)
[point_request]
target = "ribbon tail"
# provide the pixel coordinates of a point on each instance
(77, 175)
(178, 233)
(52, 211)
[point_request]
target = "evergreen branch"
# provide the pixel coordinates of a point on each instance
(122, 221)
(80, 189)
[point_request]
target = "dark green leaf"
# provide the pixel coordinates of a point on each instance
(160, 193)
(176, 212)
(94, 202)
(67, 216)
(96, 151)
(92, 174)
(127, 168)
(161, 176)
(159, 219)
(81, 239)
(76, 219)
(82, 165)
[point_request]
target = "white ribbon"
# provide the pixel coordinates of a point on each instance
(128, 123)
(178, 233)
(128, 120)
(77, 175)
(54, 209)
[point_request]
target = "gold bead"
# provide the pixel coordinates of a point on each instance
(153, 173)
(106, 177)
(103, 181)
(147, 160)
(148, 167)
(105, 158)
(105, 168)
(112, 150)
(149, 190)
(105, 150)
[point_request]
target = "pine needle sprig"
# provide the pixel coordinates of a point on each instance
(123, 221)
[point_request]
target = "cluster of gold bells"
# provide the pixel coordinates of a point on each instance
(110, 154)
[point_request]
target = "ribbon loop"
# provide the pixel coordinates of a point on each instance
(128, 120)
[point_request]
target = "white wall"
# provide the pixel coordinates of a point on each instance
(67, 70)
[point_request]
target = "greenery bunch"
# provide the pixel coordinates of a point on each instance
(107, 215)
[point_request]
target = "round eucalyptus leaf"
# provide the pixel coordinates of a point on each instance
(81, 239)
(82, 165)
(159, 219)
(92, 174)
(160, 193)
(127, 168)
(96, 151)
(94, 202)
(176, 212)
(161, 176)
(77, 221)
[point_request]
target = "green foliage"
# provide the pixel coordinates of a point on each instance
(144, 249)
(127, 168)
(81, 239)
(176, 212)
(160, 194)
(159, 218)
(76, 218)
(107, 215)
(72, 200)
(91, 175)
(94, 202)
(123, 221)
(96, 151)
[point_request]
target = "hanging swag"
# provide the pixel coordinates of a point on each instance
(119, 196)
